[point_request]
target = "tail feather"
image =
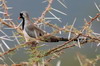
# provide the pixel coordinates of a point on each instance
(57, 39)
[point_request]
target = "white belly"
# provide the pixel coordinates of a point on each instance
(26, 36)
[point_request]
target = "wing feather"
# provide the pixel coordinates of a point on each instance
(34, 31)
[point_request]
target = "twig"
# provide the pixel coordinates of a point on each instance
(44, 12)
(53, 57)
(69, 46)
(5, 23)
(94, 18)
(17, 47)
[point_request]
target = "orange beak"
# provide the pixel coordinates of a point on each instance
(18, 18)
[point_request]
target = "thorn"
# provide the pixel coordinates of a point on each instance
(5, 44)
(51, 18)
(98, 44)
(62, 4)
(59, 11)
(97, 7)
(55, 16)
(16, 38)
(71, 28)
(2, 48)
(11, 60)
(58, 63)
(79, 45)
(90, 17)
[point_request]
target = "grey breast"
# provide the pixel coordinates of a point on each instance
(32, 29)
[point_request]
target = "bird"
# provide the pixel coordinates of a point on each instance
(30, 30)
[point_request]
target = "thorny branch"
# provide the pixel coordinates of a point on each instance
(98, 15)
(17, 47)
(44, 12)
(59, 29)
(76, 33)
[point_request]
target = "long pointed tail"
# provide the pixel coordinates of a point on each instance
(57, 39)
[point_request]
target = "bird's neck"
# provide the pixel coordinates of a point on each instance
(25, 22)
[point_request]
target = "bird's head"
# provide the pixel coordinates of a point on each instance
(23, 14)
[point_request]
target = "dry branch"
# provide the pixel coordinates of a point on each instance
(50, 37)
(44, 12)
(17, 47)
